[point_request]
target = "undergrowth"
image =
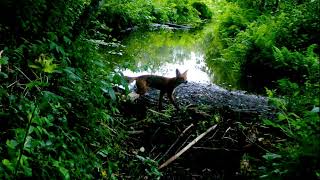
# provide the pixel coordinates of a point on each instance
(274, 45)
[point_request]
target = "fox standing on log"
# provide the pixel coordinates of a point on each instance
(164, 84)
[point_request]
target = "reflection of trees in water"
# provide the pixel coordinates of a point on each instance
(179, 55)
(162, 52)
(153, 49)
(225, 73)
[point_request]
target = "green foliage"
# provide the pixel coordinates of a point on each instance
(33, 19)
(44, 149)
(202, 8)
(247, 42)
(275, 46)
(151, 167)
(59, 112)
(298, 119)
(56, 97)
(58, 107)
(119, 15)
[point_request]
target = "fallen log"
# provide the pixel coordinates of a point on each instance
(196, 94)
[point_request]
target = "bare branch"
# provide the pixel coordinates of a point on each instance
(186, 148)
(182, 134)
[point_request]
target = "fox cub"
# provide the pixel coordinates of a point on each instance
(164, 84)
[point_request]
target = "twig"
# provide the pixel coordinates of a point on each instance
(12, 84)
(0, 58)
(136, 132)
(186, 148)
(159, 113)
(112, 130)
(182, 134)
(24, 141)
(233, 140)
(211, 136)
(182, 145)
(27, 78)
(216, 149)
(153, 148)
(23, 74)
(254, 142)
(226, 132)
(157, 156)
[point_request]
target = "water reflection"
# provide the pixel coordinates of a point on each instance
(160, 53)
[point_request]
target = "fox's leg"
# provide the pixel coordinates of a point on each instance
(142, 87)
(170, 96)
(160, 100)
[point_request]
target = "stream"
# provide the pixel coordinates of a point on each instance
(162, 52)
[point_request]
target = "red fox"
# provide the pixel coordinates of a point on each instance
(164, 84)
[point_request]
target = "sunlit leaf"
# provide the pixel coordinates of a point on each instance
(8, 164)
(282, 116)
(34, 66)
(103, 153)
(270, 156)
(12, 144)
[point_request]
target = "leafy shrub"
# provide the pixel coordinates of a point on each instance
(249, 45)
(276, 50)
(120, 14)
(202, 8)
(123, 14)
(299, 121)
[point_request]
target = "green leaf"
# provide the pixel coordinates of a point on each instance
(28, 142)
(48, 143)
(282, 116)
(32, 84)
(46, 63)
(62, 170)
(20, 133)
(271, 156)
(27, 171)
(49, 68)
(4, 60)
(12, 144)
(34, 66)
(111, 93)
(104, 153)
(315, 109)
(3, 75)
(67, 40)
(71, 74)
(31, 129)
(8, 164)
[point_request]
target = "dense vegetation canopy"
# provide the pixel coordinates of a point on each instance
(60, 115)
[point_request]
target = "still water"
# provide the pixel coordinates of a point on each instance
(162, 52)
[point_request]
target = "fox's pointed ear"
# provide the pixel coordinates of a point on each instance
(185, 73)
(178, 73)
